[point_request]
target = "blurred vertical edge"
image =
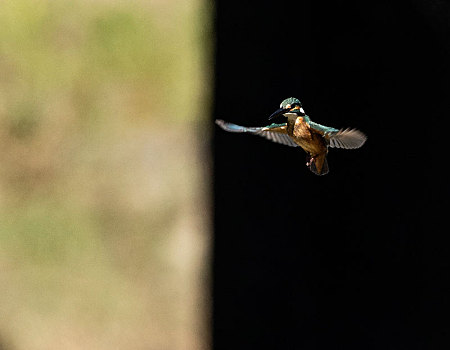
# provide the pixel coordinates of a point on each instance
(104, 191)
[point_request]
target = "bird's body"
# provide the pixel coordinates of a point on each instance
(307, 138)
(299, 130)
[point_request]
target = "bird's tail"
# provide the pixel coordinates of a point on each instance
(319, 165)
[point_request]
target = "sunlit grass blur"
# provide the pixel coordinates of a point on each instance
(103, 213)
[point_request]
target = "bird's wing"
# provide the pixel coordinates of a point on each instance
(274, 132)
(347, 138)
(321, 129)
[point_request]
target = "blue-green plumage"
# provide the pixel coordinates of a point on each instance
(299, 130)
(318, 127)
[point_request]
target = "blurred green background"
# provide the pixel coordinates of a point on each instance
(104, 222)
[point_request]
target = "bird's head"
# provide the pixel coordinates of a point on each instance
(290, 105)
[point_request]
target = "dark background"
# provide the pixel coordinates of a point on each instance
(358, 258)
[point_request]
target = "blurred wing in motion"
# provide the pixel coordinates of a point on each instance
(347, 139)
(274, 132)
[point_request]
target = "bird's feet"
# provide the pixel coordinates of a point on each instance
(309, 160)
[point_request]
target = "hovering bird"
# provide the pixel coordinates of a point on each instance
(301, 131)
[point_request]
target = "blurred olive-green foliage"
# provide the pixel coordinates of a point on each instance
(103, 213)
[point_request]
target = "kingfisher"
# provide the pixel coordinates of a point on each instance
(301, 131)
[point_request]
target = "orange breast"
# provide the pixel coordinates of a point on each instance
(311, 141)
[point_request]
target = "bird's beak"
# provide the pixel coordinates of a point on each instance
(278, 112)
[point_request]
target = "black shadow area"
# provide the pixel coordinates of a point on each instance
(358, 258)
